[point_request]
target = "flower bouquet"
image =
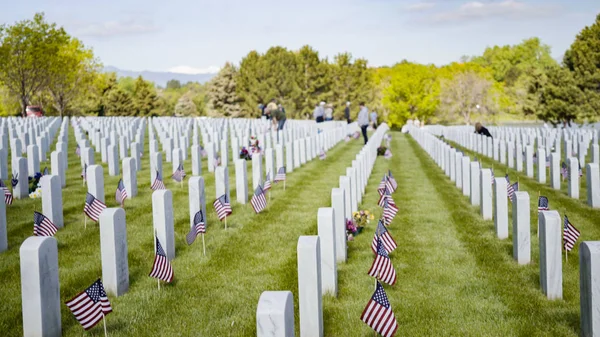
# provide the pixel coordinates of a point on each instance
(381, 150)
(356, 135)
(244, 154)
(355, 225)
(253, 146)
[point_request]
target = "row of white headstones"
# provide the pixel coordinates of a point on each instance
(476, 183)
(39, 255)
(318, 255)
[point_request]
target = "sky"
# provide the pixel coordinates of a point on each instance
(199, 36)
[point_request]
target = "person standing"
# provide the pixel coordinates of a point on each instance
(347, 112)
(374, 119)
(319, 112)
(363, 120)
(329, 112)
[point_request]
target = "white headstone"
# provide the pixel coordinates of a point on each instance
(458, 170)
(113, 161)
(56, 165)
(257, 172)
(162, 213)
(289, 157)
(353, 190)
(500, 208)
(541, 166)
(222, 182)
(33, 162)
(485, 183)
(573, 178)
(95, 181)
(529, 161)
(345, 185)
(551, 254)
(197, 198)
(275, 314)
(130, 177)
(270, 169)
(589, 290)
(475, 189)
(4, 164)
(241, 181)
(113, 248)
(3, 228)
(555, 170)
(466, 176)
(339, 209)
(309, 286)
(521, 228)
(593, 185)
(19, 170)
(52, 205)
(196, 160)
(326, 230)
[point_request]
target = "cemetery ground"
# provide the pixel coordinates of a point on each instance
(455, 278)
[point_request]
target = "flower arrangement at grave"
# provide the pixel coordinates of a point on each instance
(35, 189)
(355, 225)
(253, 145)
(356, 135)
(381, 150)
(245, 154)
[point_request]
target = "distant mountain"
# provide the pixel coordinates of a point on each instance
(160, 78)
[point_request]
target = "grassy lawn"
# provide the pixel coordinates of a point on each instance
(454, 277)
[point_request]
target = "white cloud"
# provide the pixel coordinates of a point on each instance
(115, 28)
(420, 6)
(512, 9)
(194, 71)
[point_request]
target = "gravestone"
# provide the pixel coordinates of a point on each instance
(573, 178)
(582, 152)
(210, 154)
(176, 159)
(551, 254)
(40, 288)
(168, 149)
(162, 214)
(345, 185)
(224, 154)
(500, 208)
(33, 162)
(95, 181)
(113, 161)
(309, 286)
(130, 177)
(338, 203)
(241, 181)
(296, 153)
(326, 230)
(87, 156)
(113, 249)
(257, 171)
(541, 166)
(222, 181)
(458, 169)
(529, 161)
(136, 149)
(56, 165)
(289, 157)
(353, 190)
(555, 170)
(595, 154)
(485, 191)
(589, 292)
(104, 143)
(270, 164)
(275, 314)
(519, 157)
(52, 205)
(452, 168)
(197, 198)
(466, 175)
(475, 188)
(521, 230)
(3, 228)
(122, 148)
(593, 185)
(196, 160)
(155, 166)
(4, 164)
(278, 157)
(19, 169)
(510, 153)
(303, 151)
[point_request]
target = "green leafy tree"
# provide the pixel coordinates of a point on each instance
(561, 98)
(222, 96)
(465, 95)
(173, 84)
(185, 106)
(247, 84)
(314, 81)
(118, 102)
(351, 82)
(28, 50)
(144, 97)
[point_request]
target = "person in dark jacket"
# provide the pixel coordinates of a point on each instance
(347, 112)
(482, 130)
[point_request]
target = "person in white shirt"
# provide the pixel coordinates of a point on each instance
(363, 120)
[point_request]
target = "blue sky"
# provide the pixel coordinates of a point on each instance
(199, 36)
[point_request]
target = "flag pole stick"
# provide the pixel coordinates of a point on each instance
(225, 221)
(203, 246)
(84, 221)
(104, 320)
(538, 224)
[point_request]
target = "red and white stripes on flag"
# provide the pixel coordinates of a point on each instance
(382, 267)
(93, 207)
(570, 235)
(378, 313)
(389, 210)
(158, 183)
(198, 228)
(267, 182)
(392, 181)
(161, 269)
(121, 193)
(90, 306)
(42, 226)
(388, 241)
(258, 201)
(179, 174)
(382, 185)
(280, 176)
(8, 197)
(222, 207)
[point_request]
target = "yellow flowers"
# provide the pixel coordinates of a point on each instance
(362, 217)
(36, 194)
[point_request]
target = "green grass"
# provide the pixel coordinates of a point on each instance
(455, 278)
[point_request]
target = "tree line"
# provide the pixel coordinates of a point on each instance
(41, 64)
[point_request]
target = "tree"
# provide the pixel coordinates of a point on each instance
(27, 52)
(562, 100)
(464, 95)
(173, 84)
(247, 84)
(144, 97)
(313, 81)
(351, 82)
(583, 59)
(72, 71)
(118, 102)
(185, 106)
(222, 96)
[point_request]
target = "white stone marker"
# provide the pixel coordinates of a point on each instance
(222, 181)
(241, 181)
(52, 206)
(529, 161)
(573, 178)
(197, 198)
(130, 177)
(589, 292)
(310, 302)
(595, 154)
(168, 149)
(510, 153)
(155, 166)
(19, 170)
(345, 185)
(113, 248)
(275, 314)
(176, 159)
(541, 166)
(278, 157)
(466, 176)
(326, 230)
(458, 169)
(475, 189)
(551, 254)
(136, 149)
(122, 148)
(296, 153)
(485, 191)
(500, 208)
(338, 203)
(33, 162)
(162, 213)
(87, 156)
(113, 161)
(40, 288)
(519, 157)
(56, 165)
(593, 185)
(270, 164)
(104, 143)
(452, 168)
(289, 157)
(555, 170)
(3, 228)
(353, 190)
(521, 224)
(302, 151)
(210, 154)
(4, 164)
(257, 171)
(95, 181)
(224, 154)
(196, 160)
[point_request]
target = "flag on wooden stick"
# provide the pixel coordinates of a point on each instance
(90, 306)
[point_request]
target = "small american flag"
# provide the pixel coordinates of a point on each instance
(179, 174)
(258, 201)
(570, 235)
(382, 267)
(42, 226)
(389, 210)
(45, 172)
(382, 233)
(121, 193)
(382, 185)
(510, 190)
(543, 204)
(322, 155)
(387, 154)
(392, 181)
(268, 182)
(389, 185)
(93, 207)
(8, 197)
(564, 170)
(202, 151)
(386, 194)
(378, 314)
(198, 228)
(161, 269)
(78, 151)
(84, 172)
(222, 206)
(280, 176)
(547, 161)
(90, 306)
(216, 162)
(158, 183)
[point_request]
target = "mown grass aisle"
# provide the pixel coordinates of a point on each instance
(454, 277)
